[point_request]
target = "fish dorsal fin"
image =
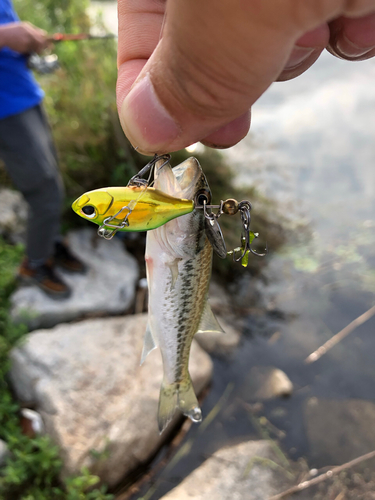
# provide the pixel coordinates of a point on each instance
(148, 343)
(208, 321)
(165, 179)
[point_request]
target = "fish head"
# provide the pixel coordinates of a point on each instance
(93, 205)
(187, 180)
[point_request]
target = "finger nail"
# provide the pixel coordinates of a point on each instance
(145, 121)
(298, 55)
(345, 48)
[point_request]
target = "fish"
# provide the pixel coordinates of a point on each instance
(178, 263)
(147, 208)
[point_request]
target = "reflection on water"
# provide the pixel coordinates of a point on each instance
(312, 149)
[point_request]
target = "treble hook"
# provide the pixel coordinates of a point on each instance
(245, 207)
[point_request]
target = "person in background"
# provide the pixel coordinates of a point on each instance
(27, 149)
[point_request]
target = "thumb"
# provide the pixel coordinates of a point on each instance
(213, 62)
(205, 73)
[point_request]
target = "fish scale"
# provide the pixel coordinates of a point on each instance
(183, 348)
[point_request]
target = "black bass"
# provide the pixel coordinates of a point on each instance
(178, 260)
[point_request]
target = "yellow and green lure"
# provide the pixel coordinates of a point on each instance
(131, 208)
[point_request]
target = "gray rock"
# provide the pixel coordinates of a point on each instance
(13, 209)
(339, 430)
(267, 382)
(96, 402)
(220, 344)
(4, 452)
(244, 471)
(107, 288)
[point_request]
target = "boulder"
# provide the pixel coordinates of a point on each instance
(245, 471)
(13, 209)
(108, 286)
(98, 404)
(339, 430)
(267, 382)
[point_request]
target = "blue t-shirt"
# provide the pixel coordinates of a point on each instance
(18, 89)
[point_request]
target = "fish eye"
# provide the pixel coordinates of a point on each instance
(203, 196)
(89, 211)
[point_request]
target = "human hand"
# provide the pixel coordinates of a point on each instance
(23, 37)
(217, 57)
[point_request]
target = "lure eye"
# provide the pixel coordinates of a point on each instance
(89, 211)
(202, 197)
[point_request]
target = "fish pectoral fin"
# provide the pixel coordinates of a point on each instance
(148, 343)
(174, 272)
(208, 322)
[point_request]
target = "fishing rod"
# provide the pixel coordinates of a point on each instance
(76, 37)
(50, 63)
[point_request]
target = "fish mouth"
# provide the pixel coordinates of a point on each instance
(191, 179)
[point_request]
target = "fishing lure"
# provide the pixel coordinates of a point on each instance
(136, 207)
(141, 207)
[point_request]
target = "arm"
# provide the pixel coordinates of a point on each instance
(22, 37)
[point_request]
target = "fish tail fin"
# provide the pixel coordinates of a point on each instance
(167, 404)
(177, 395)
(187, 400)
